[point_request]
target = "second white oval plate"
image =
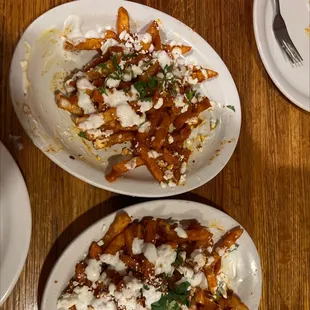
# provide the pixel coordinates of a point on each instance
(51, 128)
(293, 82)
(247, 284)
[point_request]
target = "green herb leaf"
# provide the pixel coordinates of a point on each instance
(103, 90)
(146, 287)
(231, 107)
(141, 88)
(190, 95)
(168, 68)
(179, 260)
(116, 65)
(173, 299)
(152, 82)
(103, 65)
(130, 56)
(82, 134)
(150, 99)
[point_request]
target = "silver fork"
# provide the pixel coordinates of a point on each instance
(283, 38)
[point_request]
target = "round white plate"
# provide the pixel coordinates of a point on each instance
(293, 82)
(51, 128)
(15, 223)
(247, 283)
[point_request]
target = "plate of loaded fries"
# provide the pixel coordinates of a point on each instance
(150, 256)
(125, 98)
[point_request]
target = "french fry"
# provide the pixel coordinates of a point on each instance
(97, 60)
(85, 45)
(110, 34)
(229, 239)
(150, 163)
(131, 262)
(129, 236)
(202, 76)
(184, 49)
(94, 251)
(116, 244)
(69, 104)
(121, 221)
(150, 231)
(169, 158)
(153, 30)
(122, 167)
(161, 133)
(116, 138)
(123, 23)
(150, 72)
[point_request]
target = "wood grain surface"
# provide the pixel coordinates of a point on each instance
(265, 186)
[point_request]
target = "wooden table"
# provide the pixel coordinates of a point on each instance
(265, 186)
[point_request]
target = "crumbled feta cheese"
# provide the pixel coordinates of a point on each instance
(107, 44)
(181, 232)
(170, 139)
(153, 154)
(128, 117)
(145, 127)
(112, 83)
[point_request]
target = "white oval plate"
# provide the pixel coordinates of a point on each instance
(15, 223)
(247, 284)
(51, 128)
(293, 82)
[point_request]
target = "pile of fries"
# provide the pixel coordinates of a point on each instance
(153, 264)
(139, 91)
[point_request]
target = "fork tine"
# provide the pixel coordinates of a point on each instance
(284, 49)
(295, 50)
(289, 52)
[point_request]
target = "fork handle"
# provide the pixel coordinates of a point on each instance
(278, 6)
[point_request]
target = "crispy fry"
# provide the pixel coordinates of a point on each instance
(161, 133)
(122, 21)
(229, 239)
(169, 158)
(153, 30)
(201, 75)
(151, 71)
(116, 244)
(184, 49)
(150, 231)
(122, 167)
(116, 138)
(110, 34)
(69, 104)
(86, 45)
(94, 251)
(95, 62)
(150, 163)
(119, 224)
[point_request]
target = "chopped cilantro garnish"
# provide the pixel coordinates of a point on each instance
(148, 99)
(173, 299)
(152, 82)
(190, 95)
(103, 65)
(231, 107)
(146, 287)
(130, 56)
(82, 134)
(116, 65)
(140, 86)
(103, 90)
(168, 68)
(179, 260)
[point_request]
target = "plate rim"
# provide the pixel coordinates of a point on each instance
(269, 64)
(27, 220)
(111, 188)
(148, 204)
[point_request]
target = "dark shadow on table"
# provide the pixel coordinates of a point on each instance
(90, 217)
